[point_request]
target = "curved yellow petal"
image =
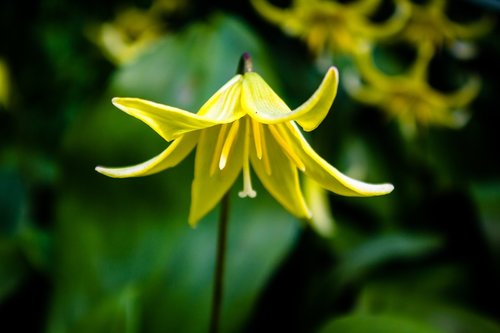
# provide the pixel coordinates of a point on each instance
(474, 29)
(310, 114)
(317, 198)
(270, 12)
(325, 174)
(365, 7)
(264, 105)
(167, 121)
(389, 27)
(465, 94)
(172, 122)
(362, 92)
(279, 175)
(170, 157)
(211, 183)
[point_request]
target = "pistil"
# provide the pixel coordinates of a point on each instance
(247, 191)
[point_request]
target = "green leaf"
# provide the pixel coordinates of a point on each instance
(12, 201)
(116, 314)
(376, 324)
(382, 249)
(487, 199)
(141, 240)
(12, 269)
(429, 307)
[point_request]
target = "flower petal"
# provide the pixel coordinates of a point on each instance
(279, 176)
(172, 122)
(317, 198)
(310, 114)
(389, 27)
(260, 101)
(211, 183)
(167, 121)
(325, 174)
(270, 12)
(225, 103)
(465, 94)
(170, 157)
(369, 94)
(265, 106)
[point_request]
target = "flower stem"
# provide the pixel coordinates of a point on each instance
(245, 65)
(219, 265)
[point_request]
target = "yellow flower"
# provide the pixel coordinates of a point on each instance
(429, 23)
(328, 25)
(169, 7)
(244, 123)
(4, 84)
(132, 31)
(408, 96)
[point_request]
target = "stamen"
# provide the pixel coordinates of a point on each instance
(265, 156)
(286, 148)
(248, 191)
(257, 138)
(218, 148)
(260, 144)
(228, 144)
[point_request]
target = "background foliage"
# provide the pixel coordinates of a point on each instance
(83, 253)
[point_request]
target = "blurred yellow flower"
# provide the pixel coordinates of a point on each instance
(333, 26)
(4, 84)
(134, 30)
(163, 7)
(245, 122)
(429, 23)
(408, 96)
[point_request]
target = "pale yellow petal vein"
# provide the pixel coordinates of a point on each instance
(257, 138)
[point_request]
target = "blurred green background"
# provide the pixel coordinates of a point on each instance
(80, 252)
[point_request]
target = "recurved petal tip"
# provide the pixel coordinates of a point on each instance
(101, 170)
(193, 223)
(113, 172)
(117, 101)
(386, 188)
(363, 189)
(312, 112)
